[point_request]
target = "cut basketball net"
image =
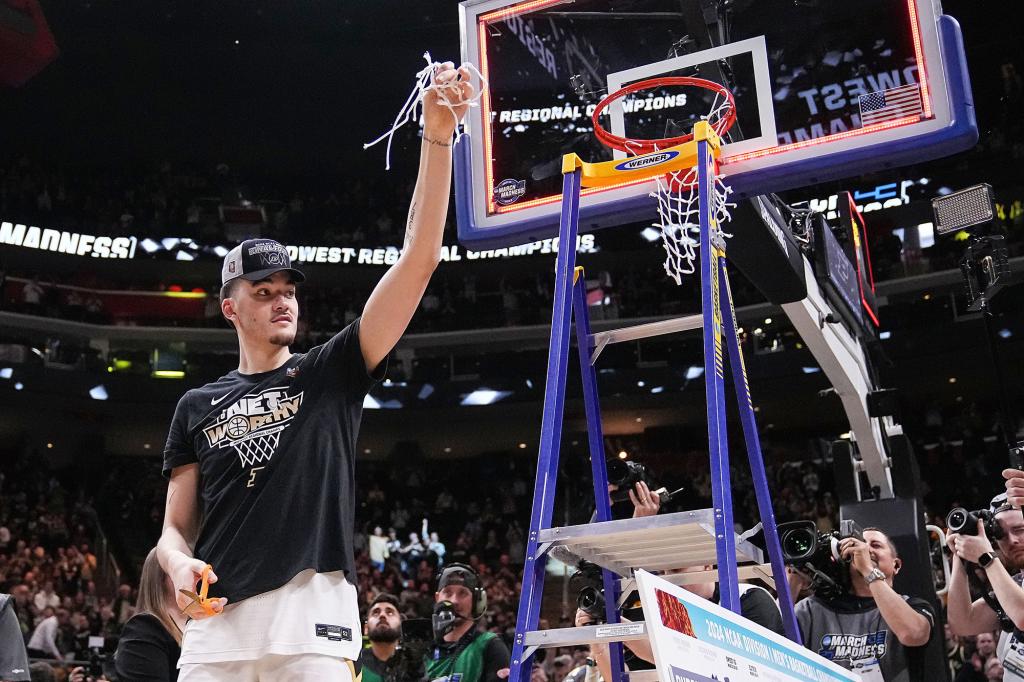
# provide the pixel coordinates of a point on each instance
(449, 94)
(676, 191)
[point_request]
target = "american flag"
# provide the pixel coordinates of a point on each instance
(888, 105)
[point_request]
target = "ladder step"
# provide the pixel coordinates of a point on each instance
(643, 331)
(653, 543)
(588, 634)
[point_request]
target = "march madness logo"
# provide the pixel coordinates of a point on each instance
(253, 424)
(853, 647)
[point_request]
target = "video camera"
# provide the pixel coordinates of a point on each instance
(817, 555)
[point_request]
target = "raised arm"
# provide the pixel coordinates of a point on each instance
(395, 298)
(181, 527)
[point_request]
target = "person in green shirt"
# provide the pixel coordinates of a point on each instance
(463, 652)
(386, 659)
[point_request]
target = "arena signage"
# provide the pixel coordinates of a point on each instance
(77, 244)
(585, 243)
(73, 243)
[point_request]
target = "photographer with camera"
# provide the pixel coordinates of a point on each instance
(389, 658)
(865, 625)
(461, 648)
(1002, 606)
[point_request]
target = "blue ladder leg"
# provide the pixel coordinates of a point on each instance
(595, 439)
(718, 445)
(753, 441)
(551, 425)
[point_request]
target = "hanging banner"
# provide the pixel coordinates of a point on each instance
(697, 641)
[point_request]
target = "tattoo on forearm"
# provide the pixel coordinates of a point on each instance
(439, 143)
(408, 227)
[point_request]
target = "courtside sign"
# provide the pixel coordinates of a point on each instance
(697, 641)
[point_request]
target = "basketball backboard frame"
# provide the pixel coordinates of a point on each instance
(948, 127)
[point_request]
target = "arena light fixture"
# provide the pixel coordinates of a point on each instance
(484, 396)
(694, 372)
(964, 208)
(184, 255)
(168, 374)
(1003, 334)
(98, 392)
(8, 372)
(18, 386)
(426, 391)
(650, 234)
(150, 246)
(370, 403)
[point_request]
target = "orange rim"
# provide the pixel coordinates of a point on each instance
(634, 146)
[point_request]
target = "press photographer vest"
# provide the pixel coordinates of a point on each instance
(467, 662)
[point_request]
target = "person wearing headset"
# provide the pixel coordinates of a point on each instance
(462, 651)
(874, 631)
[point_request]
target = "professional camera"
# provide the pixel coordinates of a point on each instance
(589, 584)
(965, 522)
(626, 474)
(817, 555)
(97, 658)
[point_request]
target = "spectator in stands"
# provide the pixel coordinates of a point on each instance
(43, 643)
(902, 630)
(462, 648)
(994, 670)
(378, 547)
(32, 297)
(974, 668)
(150, 643)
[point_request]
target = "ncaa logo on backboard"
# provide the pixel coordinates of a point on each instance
(509, 191)
(646, 161)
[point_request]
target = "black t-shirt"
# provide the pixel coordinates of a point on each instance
(146, 652)
(757, 606)
(276, 454)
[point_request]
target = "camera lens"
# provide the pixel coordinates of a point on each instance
(956, 520)
(617, 471)
(797, 543)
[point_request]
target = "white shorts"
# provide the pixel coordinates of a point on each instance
(273, 668)
(313, 613)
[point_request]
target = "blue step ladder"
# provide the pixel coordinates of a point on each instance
(666, 541)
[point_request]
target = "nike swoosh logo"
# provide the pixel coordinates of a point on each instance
(214, 401)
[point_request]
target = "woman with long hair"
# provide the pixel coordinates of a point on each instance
(150, 643)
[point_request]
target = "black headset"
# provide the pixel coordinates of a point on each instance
(479, 595)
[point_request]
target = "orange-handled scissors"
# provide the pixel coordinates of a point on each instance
(201, 599)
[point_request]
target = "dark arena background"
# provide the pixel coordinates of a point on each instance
(140, 142)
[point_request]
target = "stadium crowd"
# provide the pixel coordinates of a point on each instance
(409, 527)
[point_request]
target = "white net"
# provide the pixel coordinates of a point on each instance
(679, 219)
(256, 449)
(449, 94)
(679, 207)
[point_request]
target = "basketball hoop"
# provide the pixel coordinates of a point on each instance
(678, 204)
(721, 117)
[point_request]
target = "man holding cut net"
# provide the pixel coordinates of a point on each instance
(260, 502)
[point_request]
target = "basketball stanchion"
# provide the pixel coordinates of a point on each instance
(693, 205)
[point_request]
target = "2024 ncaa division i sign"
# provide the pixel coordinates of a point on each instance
(695, 640)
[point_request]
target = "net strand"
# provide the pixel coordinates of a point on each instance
(678, 198)
(448, 94)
